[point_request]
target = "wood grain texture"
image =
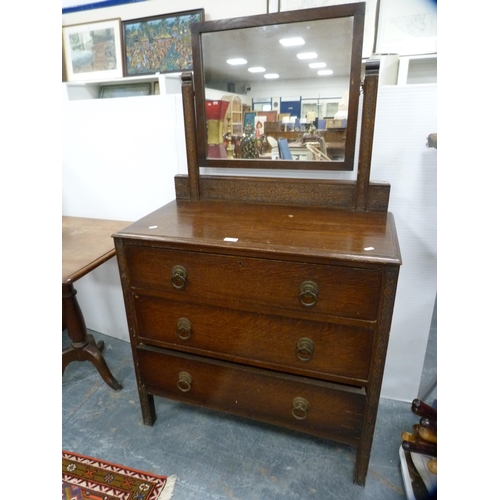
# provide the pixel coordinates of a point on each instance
(333, 194)
(237, 281)
(241, 301)
(370, 86)
(288, 232)
(265, 340)
(193, 191)
(86, 244)
(334, 411)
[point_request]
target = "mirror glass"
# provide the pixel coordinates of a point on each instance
(279, 90)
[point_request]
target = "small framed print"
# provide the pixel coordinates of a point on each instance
(249, 119)
(93, 51)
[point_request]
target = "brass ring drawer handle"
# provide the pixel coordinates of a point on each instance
(300, 408)
(305, 349)
(184, 382)
(308, 293)
(179, 277)
(184, 328)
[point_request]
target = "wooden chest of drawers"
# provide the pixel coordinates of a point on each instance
(276, 313)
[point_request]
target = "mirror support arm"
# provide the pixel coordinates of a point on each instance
(370, 90)
(190, 134)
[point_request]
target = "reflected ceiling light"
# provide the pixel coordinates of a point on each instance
(317, 65)
(291, 42)
(236, 61)
(325, 72)
(307, 55)
(257, 69)
(271, 76)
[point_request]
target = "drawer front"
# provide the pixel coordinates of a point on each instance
(232, 281)
(306, 347)
(318, 408)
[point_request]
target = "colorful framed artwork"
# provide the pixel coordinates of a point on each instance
(93, 51)
(259, 125)
(249, 119)
(159, 44)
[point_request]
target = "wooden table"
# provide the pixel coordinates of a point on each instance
(86, 244)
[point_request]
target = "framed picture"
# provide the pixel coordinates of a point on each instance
(159, 44)
(125, 90)
(271, 115)
(407, 28)
(93, 51)
(249, 119)
(259, 125)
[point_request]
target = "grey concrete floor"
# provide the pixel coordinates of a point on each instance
(217, 456)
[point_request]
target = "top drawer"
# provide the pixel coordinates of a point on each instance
(234, 281)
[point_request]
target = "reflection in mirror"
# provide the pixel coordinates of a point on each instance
(279, 87)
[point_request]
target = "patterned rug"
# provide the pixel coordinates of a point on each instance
(86, 478)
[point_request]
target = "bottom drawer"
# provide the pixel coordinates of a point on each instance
(315, 407)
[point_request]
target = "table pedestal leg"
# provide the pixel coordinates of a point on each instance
(83, 346)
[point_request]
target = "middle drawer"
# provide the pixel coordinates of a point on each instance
(323, 350)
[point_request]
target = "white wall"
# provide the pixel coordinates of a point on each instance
(214, 9)
(119, 160)
(406, 115)
(120, 157)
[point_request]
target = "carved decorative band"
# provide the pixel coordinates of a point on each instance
(378, 197)
(181, 187)
(277, 191)
(366, 141)
(334, 194)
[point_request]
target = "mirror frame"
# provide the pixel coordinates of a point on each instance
(354, 10)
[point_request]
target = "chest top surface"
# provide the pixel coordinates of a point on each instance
(281, 231)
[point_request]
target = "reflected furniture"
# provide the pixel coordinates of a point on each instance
(284, 149)
(273, 144)
(86, 244)
(270, 298)
(334, 140)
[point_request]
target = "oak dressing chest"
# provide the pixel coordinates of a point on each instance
(268, 298)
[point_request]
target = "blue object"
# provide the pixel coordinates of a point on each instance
(284, 149)
(96, 5)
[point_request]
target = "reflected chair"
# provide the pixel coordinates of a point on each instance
(275, 154)
(285, 153)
